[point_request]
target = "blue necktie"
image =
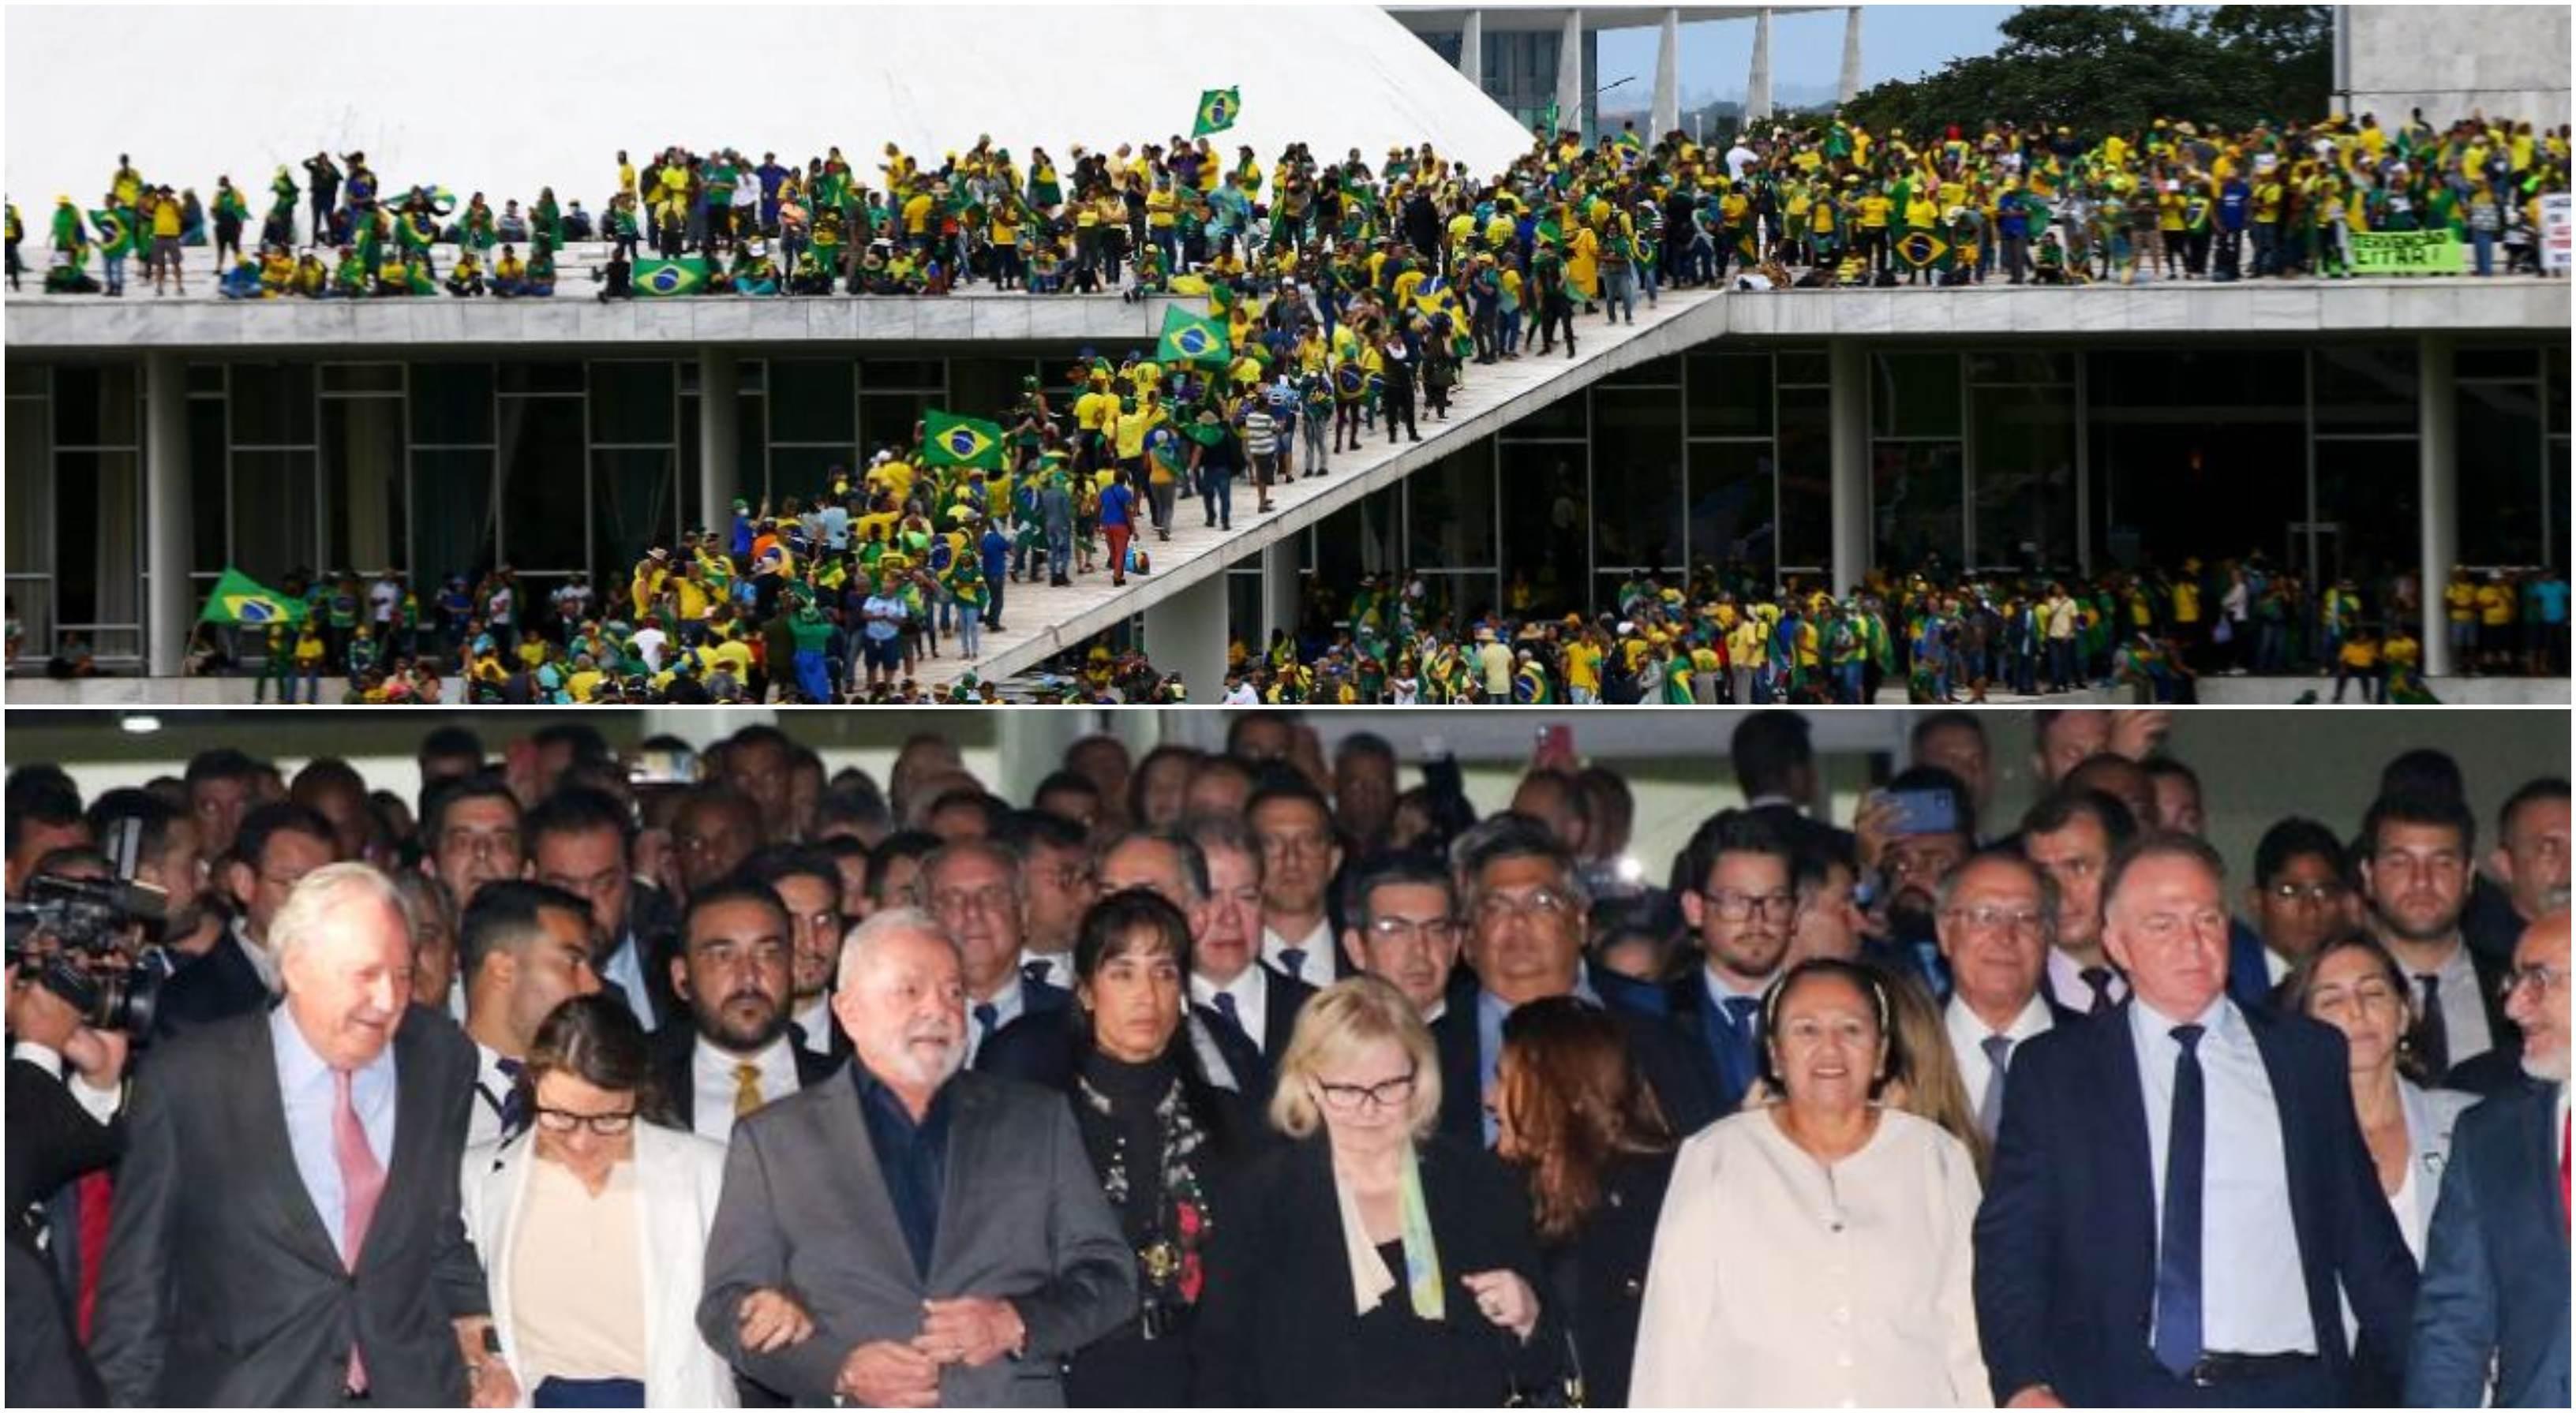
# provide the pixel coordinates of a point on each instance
(1224, 1002)
(514, 1098)
(1292, 960)
(985, 1019)
(1742, 1065)
(2178, 1263)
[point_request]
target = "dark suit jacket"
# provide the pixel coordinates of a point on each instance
(675, 1045)
(1042, 1048)
(1275, 1324)
(222, 1283)
(217, 986)
(2490, 972)
(1599, 1278)
(52, 1139)
(1282, 998)
(1665, 1059)
(47, 1367)
(2495, 1263)
(2066, 1237)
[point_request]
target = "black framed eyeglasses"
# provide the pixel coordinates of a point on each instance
(604, 1125)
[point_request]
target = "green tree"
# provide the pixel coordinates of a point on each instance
(2095, 69)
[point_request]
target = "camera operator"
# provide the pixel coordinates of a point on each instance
(169, 856)
(44, 814)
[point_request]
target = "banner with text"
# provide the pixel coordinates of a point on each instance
(2554, 218)
(2405, 253)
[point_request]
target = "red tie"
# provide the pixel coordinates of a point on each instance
(362, 1182)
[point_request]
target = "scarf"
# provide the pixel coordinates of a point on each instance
(1370, 1278)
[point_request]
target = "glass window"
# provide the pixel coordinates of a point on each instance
(633, 499)
(1805, 367)
(2553, 381)
(1730, 395)
(2025, 475)
(1460, 597)
(1661, 372)
(2500, 460)
(94, 404)
(1242, 623)
(888, 419)
(2185, 380)
(1356, 540)
(2496, 362)
(803, 472)
(362, 377)
(1548, 529)
(451, 404)
(1806, 478)
(204, 378)
(1449, 512)
(1732, 492)
(630, 403)
(546, 377)
(541, 501)
(98, 537)
(904, 375)
(362, 484)
(809, 400)
(1637, 479)
(2364, 389)
(2020, 366)
(29, 544)
(1914, 394)
(1914, 504)
(208, 487)
(2370, 492)
(275, 512)
(451, 514)
(1561, 418)
(272, 404)
(983, 387)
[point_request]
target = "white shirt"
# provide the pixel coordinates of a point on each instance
(2066, 983)
(2253, 1291)
(102, 1104)
(711, 1076)
(1319, 967)
(648, 645)
(1007, 1005)
(491, 1091)
(816, 1021)
(261, 960)
(1968, 1039)
(1251, 993)
(1777, 1280)
(1241, 694)
(1054, 968)
(624, 970)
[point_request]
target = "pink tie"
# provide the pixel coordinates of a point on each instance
(362, 1182)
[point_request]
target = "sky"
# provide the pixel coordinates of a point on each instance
(1896, 42)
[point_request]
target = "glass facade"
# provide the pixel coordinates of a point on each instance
(1519, 71)
(1990, 457)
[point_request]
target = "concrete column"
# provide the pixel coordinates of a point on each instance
(1848, 88)
(1186, 633)
(1471, 48)
(1848, 418)
(1667, 114)
(1032, 743)
(1757, 85)
(719, 436)
(1569, 73)
(2439, 489)
(172, 605)
(1282, 586)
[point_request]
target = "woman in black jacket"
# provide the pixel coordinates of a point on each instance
(1368, 1263)
(1575, 1116)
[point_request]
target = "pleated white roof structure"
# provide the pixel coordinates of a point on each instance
(506, 99)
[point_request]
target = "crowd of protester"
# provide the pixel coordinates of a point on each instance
(1251, 1077)
(1817, 195)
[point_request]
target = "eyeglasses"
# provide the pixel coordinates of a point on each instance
(2546, 978)
(1405, 929)
(504, 842)
(2026, 921)
(1737, 907)
(1494, 908)
(2315, 895)
(994, 900)
(604, 1125)
(1352, 1098)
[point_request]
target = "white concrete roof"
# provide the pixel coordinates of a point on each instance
(507, 99)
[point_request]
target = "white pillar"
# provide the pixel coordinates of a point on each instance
(1032, 743)
(168, 519)
(719, 436)
(1471, 48)
(1569, 73)
(1848, 420)
(1668, 78)
(2438, 488)
(1849, 87)
(1186, 633)
(1757, 85)
(1282, 587)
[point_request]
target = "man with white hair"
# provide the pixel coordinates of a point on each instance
(264, 1250)
(837, 1193)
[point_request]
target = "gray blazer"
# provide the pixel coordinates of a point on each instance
(1021, 1217)
(221, 1283)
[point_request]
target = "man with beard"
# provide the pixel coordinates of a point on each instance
(907, 1235)
(1054, 857)
(274, 848)
(1737, 885)
(1364, 790)
(2416, 853)
(1909, 862)
(809, 883)
(2530, 859)
(714, 829)
(524, 948)
(582, 841)
(732, 1053)
(759, 761)
(472, 830)
(2072, 834)
(973, 888)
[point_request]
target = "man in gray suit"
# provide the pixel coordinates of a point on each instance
(286, 1229)
(944, 1232)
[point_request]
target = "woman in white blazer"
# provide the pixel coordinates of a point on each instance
(592, 1226)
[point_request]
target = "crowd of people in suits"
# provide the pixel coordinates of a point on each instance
(1247, 1077)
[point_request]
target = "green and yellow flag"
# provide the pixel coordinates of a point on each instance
(1922, 250)
(115, 230)
(663, 278)
(963, 441)
(238, 598)
(1189, 339)
(1218, 108)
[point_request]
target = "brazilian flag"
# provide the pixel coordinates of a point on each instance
(1220, 297)
(1188, 339)
(658, 278)
(1922, 250)
(238, 598)
(1218, 108)
(962, 441)
(1350, 382)
(115, 229)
